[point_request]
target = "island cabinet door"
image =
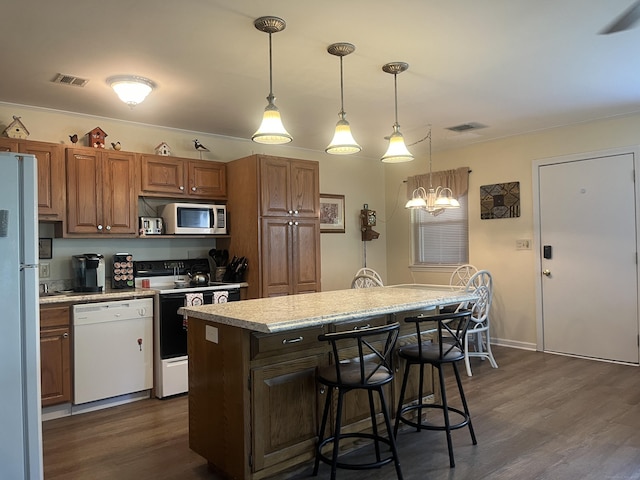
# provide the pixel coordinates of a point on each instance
(287, 407)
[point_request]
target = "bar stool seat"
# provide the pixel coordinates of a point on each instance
(449, 349)
(369, 369)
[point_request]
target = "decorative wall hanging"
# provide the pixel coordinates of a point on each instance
(331, 213)
(500, 200)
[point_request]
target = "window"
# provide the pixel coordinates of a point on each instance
(441, 240)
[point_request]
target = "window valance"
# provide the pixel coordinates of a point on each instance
(457, 180)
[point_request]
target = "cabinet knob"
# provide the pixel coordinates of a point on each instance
(193, 189)
(108, 227)
(322, 390)
(295, 212)
(99, 227)
(65, 335)
(295, 223)
(289, 223)
(290, 212)
(181, 187)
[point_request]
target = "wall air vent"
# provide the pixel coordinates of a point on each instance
(465, 127)
(70, 80)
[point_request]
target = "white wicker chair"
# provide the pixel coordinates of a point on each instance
(479, 328)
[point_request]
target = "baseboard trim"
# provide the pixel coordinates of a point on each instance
(513, 344)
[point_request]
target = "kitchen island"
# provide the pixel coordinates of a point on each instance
(254, 405)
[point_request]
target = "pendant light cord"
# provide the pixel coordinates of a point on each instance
(341, 91)
(395, 86)
(430, 169)
(270, 70)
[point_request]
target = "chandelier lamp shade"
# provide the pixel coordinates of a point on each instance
(397, 151)
(271, 130)
(434, 201)
(343, 142)
(131, 89)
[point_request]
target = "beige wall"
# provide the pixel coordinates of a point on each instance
(492, 242)
(361, 180)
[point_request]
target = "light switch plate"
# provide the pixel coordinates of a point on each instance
(523, 244)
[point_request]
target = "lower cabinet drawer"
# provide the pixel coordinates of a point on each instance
(269, 344)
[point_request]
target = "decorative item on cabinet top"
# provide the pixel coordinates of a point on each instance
(16, 129)
(163, 149)
(97, 137)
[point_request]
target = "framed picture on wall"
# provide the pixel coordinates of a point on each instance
(331, 213)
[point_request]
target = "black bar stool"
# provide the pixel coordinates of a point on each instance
(370, 370)
(449, 349)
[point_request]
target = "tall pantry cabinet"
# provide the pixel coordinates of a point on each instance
(274, 219)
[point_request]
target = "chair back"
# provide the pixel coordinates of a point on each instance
(363, 357)
(371, 272)
(480, 308)
(451, 330)
(461, 275)
(365, 281)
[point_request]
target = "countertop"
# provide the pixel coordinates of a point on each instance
(86, 297)
(278, 314)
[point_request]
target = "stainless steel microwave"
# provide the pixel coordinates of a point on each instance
(194, 219)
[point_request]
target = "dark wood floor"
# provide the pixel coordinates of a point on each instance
(538, 416)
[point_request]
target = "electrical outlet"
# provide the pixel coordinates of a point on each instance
(45, 272)
(523, 244)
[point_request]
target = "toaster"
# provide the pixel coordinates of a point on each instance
(151, 226)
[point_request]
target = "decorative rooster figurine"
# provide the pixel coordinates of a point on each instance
(73, 138)
(199, 147)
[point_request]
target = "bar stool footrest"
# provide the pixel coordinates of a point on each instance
(430, 426)
(354, 466)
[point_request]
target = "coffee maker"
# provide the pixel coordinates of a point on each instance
(88, 272)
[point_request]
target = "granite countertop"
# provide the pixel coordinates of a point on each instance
(86, 297)
(277, 314)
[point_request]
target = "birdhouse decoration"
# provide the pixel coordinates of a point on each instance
(163, 149)
(96, 137)
(16, 129)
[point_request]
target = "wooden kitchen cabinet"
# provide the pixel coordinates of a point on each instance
(163, 176)
(51, 174)
(55, 355)
(101, 192)
(274, 218)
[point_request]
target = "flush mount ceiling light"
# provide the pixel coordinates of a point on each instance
(343, 142)
(433, 201)
(131, 89)
(397, 151)
(271, 129)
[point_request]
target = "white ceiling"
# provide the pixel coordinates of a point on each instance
(515, 66)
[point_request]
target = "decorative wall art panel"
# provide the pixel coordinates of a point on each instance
(500, 200)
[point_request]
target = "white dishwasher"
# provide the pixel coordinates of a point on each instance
(113, 349)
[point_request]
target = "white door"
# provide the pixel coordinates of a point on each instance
(589, 288)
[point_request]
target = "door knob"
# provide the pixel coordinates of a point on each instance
(546, 272)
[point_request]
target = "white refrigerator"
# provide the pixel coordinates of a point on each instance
(20, 415)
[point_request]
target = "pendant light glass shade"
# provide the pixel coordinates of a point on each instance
(397, 151)
(271, 130)
(131, 89)
(343, 142)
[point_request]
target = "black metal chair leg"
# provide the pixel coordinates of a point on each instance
(323, 425)
(336, 436)
(447, 423)
(464, 404)
(392, 440)
(402, 392)
(374, 425)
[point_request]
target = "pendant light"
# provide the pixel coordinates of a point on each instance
(343, 142)
(271, 130)
(434, 201)
(397, 151)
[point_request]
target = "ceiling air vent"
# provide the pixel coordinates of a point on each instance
(465, 127)
(70, 80)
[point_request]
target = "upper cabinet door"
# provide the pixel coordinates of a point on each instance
(289, 187)
(119, 196)
(275, 174)
(207, 179)
(51, 178)
(305, 188)
(84, 192)
(163, 176)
